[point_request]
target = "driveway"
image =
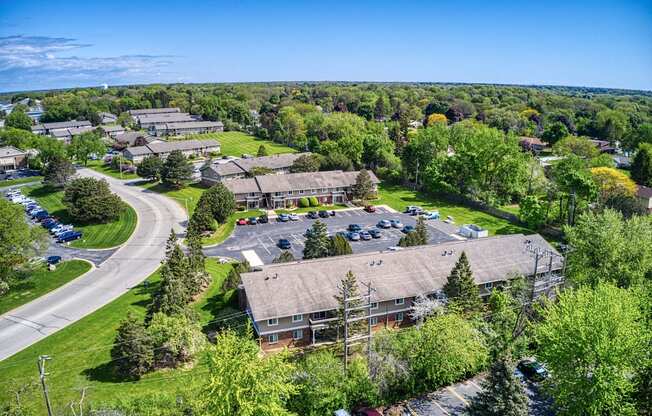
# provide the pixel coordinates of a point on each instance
(125, 268)
(262, 239)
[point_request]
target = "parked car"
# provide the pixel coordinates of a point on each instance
(375, 233)
(364, 235)
(252, 221)
(395, 248)
(408, 229)
(241, 221)
(284, 244)
(69, 236)
(410, 208)
(396, 223)
(263, 219)
(533, 370)
(431, 215)
(53, 259)
(324, 214)
(41, 215)
(417, 211)
(342, 234)
(370, 208)
(312, 215)
(293, 217)
(384, 224)
(283, 217)
(353, 236)
(354, 228)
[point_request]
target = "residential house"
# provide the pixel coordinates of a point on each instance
(66, 135)
(532, 144)
(48, 128)
(162, 149)
(12, 158)
(107, 118)
(114, 130)
(294, 304)
(241, 168)
(603, 146)
(134, 138)
(622, 161)
(284, 191)
(186, 127)
(644, 195)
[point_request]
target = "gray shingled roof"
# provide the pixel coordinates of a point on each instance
(10, 151)
(71, 132)
(644, 192)
(62, 125)
(308, 180)
(189, 124)
(112, 129)
(154, 111)
(166, 147)
(242, 186)
(309, 286)
(280, 161)
(131, 136)
(166, 118)
(226, 169)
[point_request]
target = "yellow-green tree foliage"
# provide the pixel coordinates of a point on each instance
(612, 182)
(436, 118)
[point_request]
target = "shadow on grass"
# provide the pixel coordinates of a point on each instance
(222, 305)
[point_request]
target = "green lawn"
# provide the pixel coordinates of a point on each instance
(41, 282)
(81, 352)
(94, 235)
(224, 230)
(235, 143)
(186, 197)
(99, 166)
(13, 182)
(399, 197)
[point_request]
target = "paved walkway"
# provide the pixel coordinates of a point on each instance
(128, 266)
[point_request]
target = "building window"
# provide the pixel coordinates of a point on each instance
(289, 192)
(272, 322)
(373, 321)
(489, 285)
(272, 338)
(301, 192)
(319, 315)
(314, 191)
(374, 305)
(297, 334)
(399, 316)
(297, 318)
(399, 301)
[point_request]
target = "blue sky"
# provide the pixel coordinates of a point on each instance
(52, 44)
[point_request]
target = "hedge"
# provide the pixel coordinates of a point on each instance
(303, 202)
(314, 202)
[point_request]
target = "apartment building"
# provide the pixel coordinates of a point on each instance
(162, 149)
(294, 304)
(241, 168)
(151, 121)
(181, 128)
(48, 128)
(145, 111)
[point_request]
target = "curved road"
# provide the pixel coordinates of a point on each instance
(128, 266)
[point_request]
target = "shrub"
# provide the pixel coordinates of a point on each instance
(313, 201)
(303, 202)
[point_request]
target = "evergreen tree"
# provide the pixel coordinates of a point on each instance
(170, 243)
(363, 185)
(284, 257)
(349, 287)
(460, 287)
(642, 165)
(262, 151)
(150, 168)
(219, 200)
(317, 243)
(173, 294)
(502, 393)
(409, 240)
(202, 219)
(421, 231)
(339, 246)
(233, 278)
(176, 170)
(132, 349)
(197, 263)
(58, 172)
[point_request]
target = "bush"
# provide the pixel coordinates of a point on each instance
(303, 202)
(313, 201)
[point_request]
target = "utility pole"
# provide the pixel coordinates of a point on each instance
(42, 374)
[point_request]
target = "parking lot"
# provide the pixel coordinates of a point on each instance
(262, 239)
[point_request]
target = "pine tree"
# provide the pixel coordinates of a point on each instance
(363, 185)
(262, 151)
(461, 289)
(132, 351)
(339, 246)
(197, 263)
(201, 219)
(349, 286)
(421, 231)
(317, 243)
(409, 240)
(176, 170)
(171, 243)
(502, 393)
(173, 293)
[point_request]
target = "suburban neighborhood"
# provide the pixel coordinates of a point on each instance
(469, 232)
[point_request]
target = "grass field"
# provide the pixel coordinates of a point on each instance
(99, 166)
(41, 282)
(81, 352)
(235, 143)
(187, 197)
(13, 182)
(95, 235)
(399, 197)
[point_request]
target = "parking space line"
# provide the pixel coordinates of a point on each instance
(264, 246)
(297, 240)
(471, 382)
(439, 406)
(462, 399)
(270, 240)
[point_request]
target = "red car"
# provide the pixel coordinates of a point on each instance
(370, 208)
(241, 221)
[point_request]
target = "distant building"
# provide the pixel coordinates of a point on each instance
(240, 168)
(114, 131)
(149, 121)
(12, 158)
(134, 138)
(145, 111)
(188, 147)
(107, 118)
(644, 195)
(66, 135)
(284, 191)
(532, 144)
(185, 128)
(622, 161)
(48, 128)
(603, 146)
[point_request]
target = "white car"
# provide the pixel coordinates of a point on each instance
(294, 217)
(394, 248)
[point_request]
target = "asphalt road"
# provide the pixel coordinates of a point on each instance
(263, 238)
(128, 266)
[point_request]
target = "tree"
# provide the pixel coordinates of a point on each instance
(284, 257)
(262, 151)
(233, 278)
(348, 289)
(612, 183)
(317, 242)
(176, 171)
(18, 119)
(339, 246)
(363, 187)
(260, 171)
(201, 220)
(532, 212)
(84, 145)
(132, 352)
(241, 381)
(305, 163)
(150, 168)
(435, 118)
(592, 340)
(579, 146)
(172, 295)
(89, 200)
(460, 288)
(641, 134)
(198, 279)
(554, 133)
(220, 200)
(379, 108)
(175, 339)
(409, 240)
(421, 231)
(502, 393)
(642, 165)
(611, 124)
(58, 172)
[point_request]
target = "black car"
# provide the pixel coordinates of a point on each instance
(53, 259)
(263, 219)
(324, 214)
(375, 233)
(284, 244)
(312, 215)
(533, 370)
(354, 228)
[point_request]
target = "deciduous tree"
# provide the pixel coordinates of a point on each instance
(89, 200)
(363, 185)
(642, 165)
(18, 119)
(58, 172)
